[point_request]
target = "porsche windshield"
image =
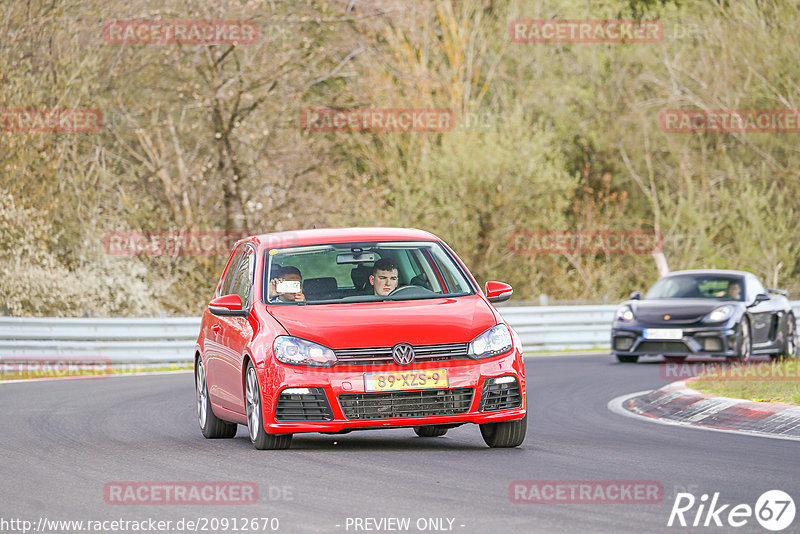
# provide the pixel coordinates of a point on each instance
(698, 286)
(362, 272)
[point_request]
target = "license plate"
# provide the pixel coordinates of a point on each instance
(663, 333)
(401, 380)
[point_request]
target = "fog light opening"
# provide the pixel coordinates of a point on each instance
(503, 380)
(623, 343)
(297, 391)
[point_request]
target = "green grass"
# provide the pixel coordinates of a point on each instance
(761, 382)
(44, 371)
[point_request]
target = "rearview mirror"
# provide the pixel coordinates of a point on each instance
(636, 295)
(227, 306)
(498, 291)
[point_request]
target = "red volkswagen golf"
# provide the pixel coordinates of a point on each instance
(335, 330)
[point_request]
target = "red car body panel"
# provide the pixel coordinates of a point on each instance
(226, 343)
(419, 322)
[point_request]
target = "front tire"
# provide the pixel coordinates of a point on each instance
(259, 437)
(211, 426)
(744, 344)
(627, 359)
(505, 434)
(430, 431)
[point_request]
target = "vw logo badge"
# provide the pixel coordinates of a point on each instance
(403, 354)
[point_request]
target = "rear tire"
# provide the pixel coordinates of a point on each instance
(505, 434)
(789, 349)
(674, 359)
(627, 359)
(211, 426)
(430, 431)
(255, 416)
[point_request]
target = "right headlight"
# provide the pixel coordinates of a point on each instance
(719, 315)
(298, 351)
(624, 313)
(494, 341)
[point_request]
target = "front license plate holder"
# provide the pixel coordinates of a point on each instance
(406, 380)
(662, 333)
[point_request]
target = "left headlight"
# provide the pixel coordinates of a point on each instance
(624, 313)
(297, 351)
(494, 341)
(720, 314)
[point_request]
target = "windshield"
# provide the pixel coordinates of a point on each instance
(698, 286)
(362, 272)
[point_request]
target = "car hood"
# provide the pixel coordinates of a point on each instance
(384, 324)
(680, 311)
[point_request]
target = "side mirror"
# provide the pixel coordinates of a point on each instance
(498, 291)
(761, 297)
(227, 306)
(636, 295)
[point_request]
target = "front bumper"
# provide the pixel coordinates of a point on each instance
(712, 341)
(344, 405)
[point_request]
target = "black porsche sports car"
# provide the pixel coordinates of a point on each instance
(705, 313)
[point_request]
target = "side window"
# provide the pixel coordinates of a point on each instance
(754, 287)
(224, 288)
(243, 281)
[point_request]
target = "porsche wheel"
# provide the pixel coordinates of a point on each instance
(789, 339)
(744, 344)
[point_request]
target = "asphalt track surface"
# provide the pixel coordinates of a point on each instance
(63, 441)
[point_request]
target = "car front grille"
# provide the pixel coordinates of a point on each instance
(312, 406)
(662, 347)
(398, 404)
(383, 355)
(500, 396)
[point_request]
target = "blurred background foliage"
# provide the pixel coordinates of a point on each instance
(547, 137)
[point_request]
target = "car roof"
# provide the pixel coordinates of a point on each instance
(728, 272)
(321, 236)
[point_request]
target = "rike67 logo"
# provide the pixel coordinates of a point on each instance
(774, 510)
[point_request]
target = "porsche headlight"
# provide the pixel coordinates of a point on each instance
(624, 313)
(719, 315)
(297, 351)
(494, 341)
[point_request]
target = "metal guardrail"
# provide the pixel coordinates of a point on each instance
(113, 340)
(541, 328)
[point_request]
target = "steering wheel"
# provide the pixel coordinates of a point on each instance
(401, 288)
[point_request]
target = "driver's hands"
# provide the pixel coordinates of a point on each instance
(287, 297)
(273, 291)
